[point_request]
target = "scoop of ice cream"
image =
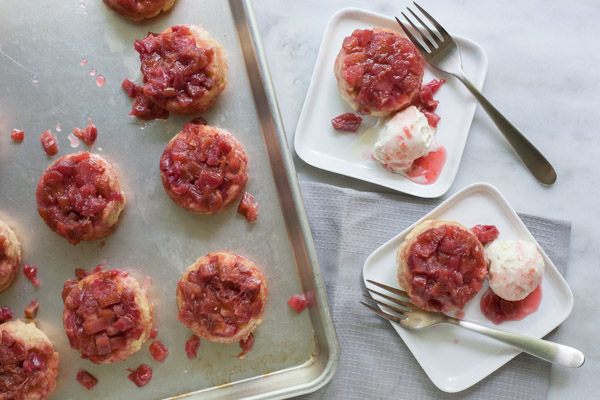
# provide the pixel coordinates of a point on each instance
(516, 268)
(404, 138)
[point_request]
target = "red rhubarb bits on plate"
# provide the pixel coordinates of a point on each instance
(17, 135)
(30, 271)
(346, 122)
(191, 346)
(86, 379)
(485, 233)
(297, 302)
(248, 207)
(159, 351)
(88, 134)
(49, 143)
(140, 376)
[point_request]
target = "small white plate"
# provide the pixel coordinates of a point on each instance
(455, 358)
(321, 146)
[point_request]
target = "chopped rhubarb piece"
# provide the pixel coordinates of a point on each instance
(485, 233)
(124, 323)
(33, 362)
(30, 272)
(246, 345)
(49, 142)
(153, 333)
(298, 303)
(31, 309)
(17, 135)
(346, 122)
(117, 343)
(86, 379)
(248, 207)
(159, 351)
(141, 375)
(191, 346)
(103, 344)
(68, 286)
(5, 314)
(88, 134)
(95, 326)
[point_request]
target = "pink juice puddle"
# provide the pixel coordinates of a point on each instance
(93, 72)
(100, 80)
(427, 169)
(83, 62)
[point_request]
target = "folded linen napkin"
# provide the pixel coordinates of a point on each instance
(347, 226)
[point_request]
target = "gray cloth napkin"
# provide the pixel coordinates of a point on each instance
(347, 226)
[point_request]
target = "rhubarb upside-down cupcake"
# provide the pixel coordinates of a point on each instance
(28, 362)
(107, 315)
(441, 265)
(183, 71)
(379, 71)
(221, 297)
(79, 197)
(203, 169)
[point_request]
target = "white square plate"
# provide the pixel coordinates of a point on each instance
(455, 358)
(321, 146)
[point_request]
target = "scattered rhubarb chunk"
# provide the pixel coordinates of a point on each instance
(88, 134)
(49, 142)
(159, 351)
(191, 346)
(5, 314)
(31, 309)
(86, 379)
(298, 303)
(141, 375)
(195, 121)
(485, 233)
(17, 135)
(153, 333)
(246, 345)
(248, 207)
(30, 271)
(346, 122)
(426, 102)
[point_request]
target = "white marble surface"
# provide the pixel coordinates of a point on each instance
(542, 78)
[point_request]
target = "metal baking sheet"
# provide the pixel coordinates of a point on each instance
(45, 86)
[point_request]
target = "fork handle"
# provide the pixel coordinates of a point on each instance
(549, 351)
(531, 157)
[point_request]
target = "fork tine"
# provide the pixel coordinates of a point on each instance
(391, 307)
(440, 29)
(424, 37)
(413, 39)
(434, 37)
(385, 315)
(390, 289)
(392, 299)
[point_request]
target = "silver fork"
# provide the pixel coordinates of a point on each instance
(443, 54)
(410, 316)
